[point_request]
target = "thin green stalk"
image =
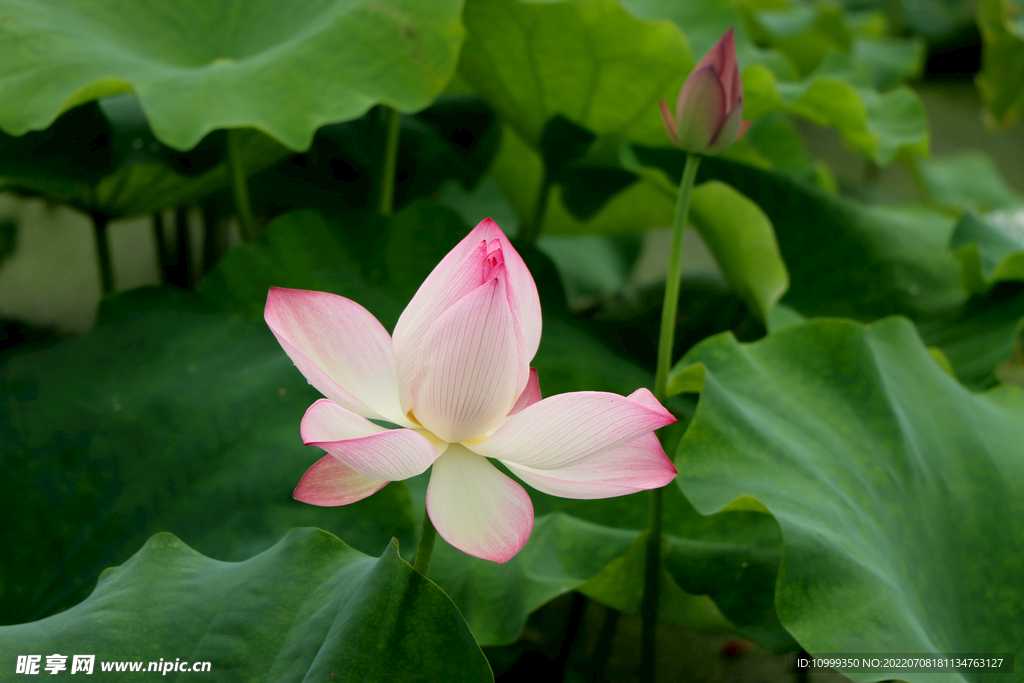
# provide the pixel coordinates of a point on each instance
(426, 545)
(99, 223)
(666, 340)
(387, 172)
(163, 256)
(239, 187)
(675, 265)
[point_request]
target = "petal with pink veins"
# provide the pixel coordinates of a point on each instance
(519, 278)
(530, 395)
(448, 283)
(523, 288)
(392, 454)
(476, 508)
(325, 420)
(330, 482)
(638, 465)
(470, 366)
(340, 348)
(568, 429)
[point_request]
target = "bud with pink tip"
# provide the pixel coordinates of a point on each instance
(709, 110)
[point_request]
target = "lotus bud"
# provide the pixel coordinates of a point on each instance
(709, 111)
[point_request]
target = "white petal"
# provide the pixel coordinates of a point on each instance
(446, 284)
(391, 454)
(325, 420)
(638, 465)
(476, 508)
(567, 429)
(470, 366)
(340, 348)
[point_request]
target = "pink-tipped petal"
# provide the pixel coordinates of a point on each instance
(530, 395)
(330, 482)
(340, 348)
(448, 283)
(645, 398)
(392, 454)
(523, 290)
(728, 67)
(638, 465)
(670, 123)
(464, 263)
(729, 131)
(325, 420)
(470, 366)
(700, 110)
(476, 508)
(722, 56)
(568, 429)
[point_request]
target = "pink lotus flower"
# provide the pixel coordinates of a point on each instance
(456, 378)
(709, 110)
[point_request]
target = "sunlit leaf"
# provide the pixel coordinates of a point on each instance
(898, 491)
(199, 66)
(309, 607)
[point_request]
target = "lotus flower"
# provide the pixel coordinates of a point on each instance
(456, 379)
(709, 110)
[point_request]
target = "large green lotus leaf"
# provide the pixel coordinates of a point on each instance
(103, 158)
(589, 60)
(309, 608)
(199, 66)
(1002, 63)
(990, 248)
(899, 492)
(167, 417)
(969, 180)
(731, 557)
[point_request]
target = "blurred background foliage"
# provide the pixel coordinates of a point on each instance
(142, 392)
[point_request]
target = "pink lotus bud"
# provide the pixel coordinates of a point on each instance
(709, 110)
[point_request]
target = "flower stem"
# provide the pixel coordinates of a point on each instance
(666, 340)
(387, 173)
(239, 187)
(99, 224)
(426, 545)
(675, 265)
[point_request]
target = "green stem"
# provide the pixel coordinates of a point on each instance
(239, 187)
(666, 340)
(162, 252)
(530, 233)
(387, 173)
(99, 223)
(675, 266)
(426, 546)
